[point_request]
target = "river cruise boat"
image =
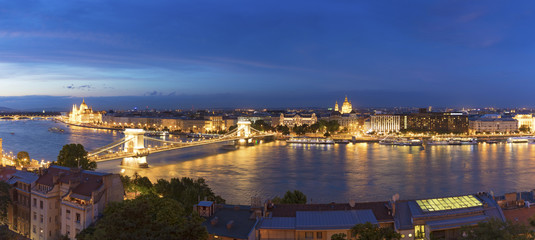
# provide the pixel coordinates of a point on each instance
(56, 130)
(401, 142)
(306, 140)
(527, 139)
(452, 141)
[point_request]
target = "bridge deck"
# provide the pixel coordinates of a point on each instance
(168, 147)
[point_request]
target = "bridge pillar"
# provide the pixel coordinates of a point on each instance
(137, 146)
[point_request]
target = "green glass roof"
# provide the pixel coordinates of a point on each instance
(448, 203)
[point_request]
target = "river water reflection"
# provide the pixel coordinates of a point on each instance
(364, 172)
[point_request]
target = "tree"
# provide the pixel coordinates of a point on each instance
(339, 236)
(496, 229)
(23, 159)
(369, 231)
(141, 184)
(186, 191)
(285, 130)
(5, 200)
(295, 197)
(74, 155)
(524, 128)
(146, 217)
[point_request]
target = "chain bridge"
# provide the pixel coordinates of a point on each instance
(134, 147)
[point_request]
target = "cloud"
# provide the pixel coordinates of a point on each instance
(153, 93)
(82, 87)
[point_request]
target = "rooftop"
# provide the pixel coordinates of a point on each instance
(89, 180)
(448, 203)
(379, 209)
(241, 216)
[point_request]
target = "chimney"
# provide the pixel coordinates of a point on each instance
(230, 224)
(352, 203)
(214, 221)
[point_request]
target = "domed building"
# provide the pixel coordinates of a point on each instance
(346, 107)
(84, 114)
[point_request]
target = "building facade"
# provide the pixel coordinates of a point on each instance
(435, 122)
(84, 114)
(493, 125)
(297, 119)
(385, 123)
(19, 211)
(525, 120)
(65, 201)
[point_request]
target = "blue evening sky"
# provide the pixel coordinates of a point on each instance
(233, 53)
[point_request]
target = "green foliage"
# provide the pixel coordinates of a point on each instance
(23, 159)
(285, 130)
(74, 155)
(141, 184)
(496, 229)
(6, 234)
(186, 191)
(261, 125)
(524, 129)
(339, 236)
(368, 231)
(146, 217)
(295, 197)
(5, 200)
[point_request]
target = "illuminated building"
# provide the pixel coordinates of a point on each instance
(525, 120)
(297, 119)
(321, 221)
(443, 217)
(65, 201)
(434, 122)
(493, 125)
(84, 114)
(346, 107)
(385, 123)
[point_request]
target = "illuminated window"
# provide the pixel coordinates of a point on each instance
(419, 232)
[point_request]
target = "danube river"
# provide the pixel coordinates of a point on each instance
(364, 172)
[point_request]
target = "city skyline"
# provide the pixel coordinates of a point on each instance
(265, 54)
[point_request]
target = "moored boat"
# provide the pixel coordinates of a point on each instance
(306, 140)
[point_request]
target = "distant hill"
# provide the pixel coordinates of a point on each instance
(5, 109)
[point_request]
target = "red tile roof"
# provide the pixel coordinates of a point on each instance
(519, 215)
(6, 173)
(89, 181)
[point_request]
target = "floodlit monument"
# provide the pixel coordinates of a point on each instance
(84, 114)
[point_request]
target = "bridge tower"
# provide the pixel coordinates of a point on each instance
(135, 145)
(244, 129)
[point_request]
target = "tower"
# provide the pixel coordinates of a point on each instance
(336, 106)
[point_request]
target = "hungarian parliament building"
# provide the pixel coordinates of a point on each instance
(84, 114)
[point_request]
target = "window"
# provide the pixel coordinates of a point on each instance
(35, 216)
(319, 235)
(34, 231)
(41, 204)
(68, 214)
(309, 235)
(35, 202)
(419, 231)
(41, 218)
(77, 217)
(68, 228)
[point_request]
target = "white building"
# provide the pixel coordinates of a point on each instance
(525, 120)
(297, 119)
(385, 123)
(65, 201)
(84, 114)
(493, 125)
